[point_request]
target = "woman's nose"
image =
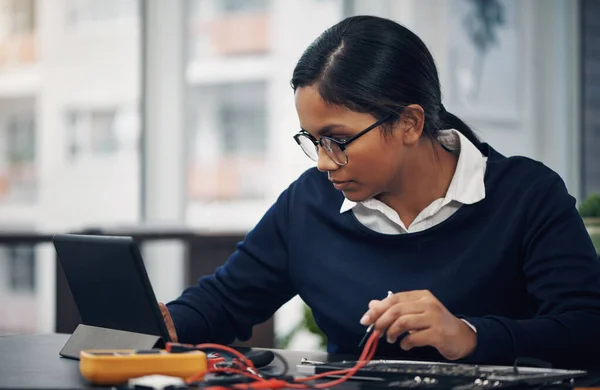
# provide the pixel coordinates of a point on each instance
(326, 163)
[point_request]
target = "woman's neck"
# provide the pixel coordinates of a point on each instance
(423, 181)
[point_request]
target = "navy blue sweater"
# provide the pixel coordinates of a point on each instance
(518, 265)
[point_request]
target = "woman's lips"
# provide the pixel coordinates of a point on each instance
(341, 185)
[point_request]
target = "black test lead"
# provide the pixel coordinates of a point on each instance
(370, 328)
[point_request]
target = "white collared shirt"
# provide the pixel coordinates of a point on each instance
(466, 187)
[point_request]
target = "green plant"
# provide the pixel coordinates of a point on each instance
(308, 324)
(590, 208)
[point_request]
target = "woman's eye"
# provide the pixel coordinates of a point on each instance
(341, 139)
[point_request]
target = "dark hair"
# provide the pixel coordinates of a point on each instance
(374, 65)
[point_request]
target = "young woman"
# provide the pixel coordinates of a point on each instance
(486, 256)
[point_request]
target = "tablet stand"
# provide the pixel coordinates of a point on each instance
(93, 337)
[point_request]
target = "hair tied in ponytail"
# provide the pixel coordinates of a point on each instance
(443, 113)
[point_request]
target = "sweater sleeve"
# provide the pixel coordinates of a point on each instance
(245, 291)
(562, 271)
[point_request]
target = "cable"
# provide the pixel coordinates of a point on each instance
(242, 366)
(284, 370)
(365, 357)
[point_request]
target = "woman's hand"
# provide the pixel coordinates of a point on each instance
(426, 320)
(168, 321)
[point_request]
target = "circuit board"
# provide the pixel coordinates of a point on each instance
(417, 374)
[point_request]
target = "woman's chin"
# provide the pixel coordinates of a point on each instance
(354, 196)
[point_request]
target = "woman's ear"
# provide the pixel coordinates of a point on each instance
(411, 124)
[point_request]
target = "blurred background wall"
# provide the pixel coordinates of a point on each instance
(173, 114)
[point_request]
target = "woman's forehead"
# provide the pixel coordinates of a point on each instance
(315, 113)
(309, 102)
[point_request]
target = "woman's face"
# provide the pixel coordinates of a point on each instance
(375, 163)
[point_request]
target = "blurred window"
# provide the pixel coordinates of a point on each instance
(221, 28)
(17, 151)
(17, 28)
(100, 132)
(92, 11)
(243, 6)
(229, 142)
(17, 288)
(21, 268)
(590, 105)
(17, 17)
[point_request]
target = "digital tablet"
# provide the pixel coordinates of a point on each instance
(109, 283)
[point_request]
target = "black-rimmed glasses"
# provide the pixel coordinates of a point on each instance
(334, 148)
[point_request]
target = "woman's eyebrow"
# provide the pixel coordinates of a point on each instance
(327, 129)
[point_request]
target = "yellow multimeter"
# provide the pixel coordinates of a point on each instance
(112, 367)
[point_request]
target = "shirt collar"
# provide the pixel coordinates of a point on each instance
(467, 185)
(347, 205)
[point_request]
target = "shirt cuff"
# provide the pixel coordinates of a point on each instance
(473, 328)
